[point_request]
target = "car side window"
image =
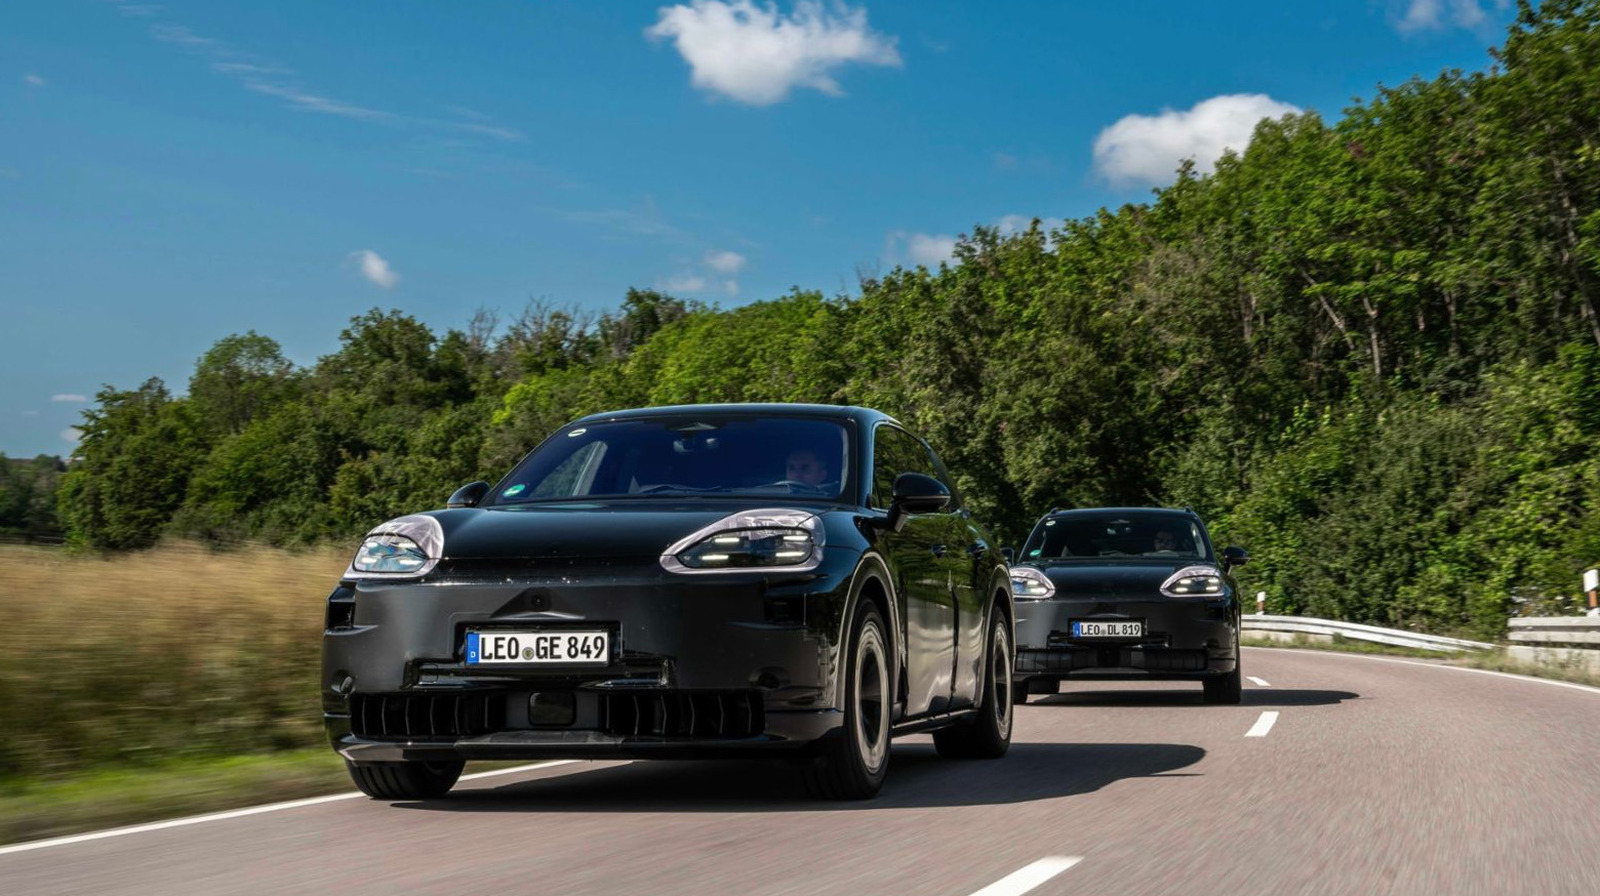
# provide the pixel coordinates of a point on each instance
(895, 451)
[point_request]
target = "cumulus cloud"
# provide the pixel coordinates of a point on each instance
(757, 55)
(69, 398)
(1433, 15)
(71, 435)
(725, 262)
(33, 80)
(375, 268)
(1148, 148)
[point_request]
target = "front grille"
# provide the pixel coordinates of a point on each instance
(1031, 661)
(718, 714)
(424, 716)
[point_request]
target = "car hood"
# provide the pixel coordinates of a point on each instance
(574, 530)
(1112, 580)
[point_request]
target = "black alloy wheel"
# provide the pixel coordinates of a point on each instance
(853, 763)
(411, 780)
(988, 736)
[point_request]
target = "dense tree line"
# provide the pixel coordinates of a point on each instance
(1368, 350)
(28, 497)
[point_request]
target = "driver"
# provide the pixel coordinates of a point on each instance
(805, 466)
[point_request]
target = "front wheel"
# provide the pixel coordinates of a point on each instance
(988, 736)
(854, 762)
(1227, 689)
(410, 780)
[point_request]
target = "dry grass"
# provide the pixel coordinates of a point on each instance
(148, 656)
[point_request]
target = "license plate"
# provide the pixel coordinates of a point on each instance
(1084, 628)
(590, 647)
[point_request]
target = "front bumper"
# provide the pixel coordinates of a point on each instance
(724, 665)
(1183, 638)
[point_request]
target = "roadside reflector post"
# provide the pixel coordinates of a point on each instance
(1591, 585)
(1261, 601)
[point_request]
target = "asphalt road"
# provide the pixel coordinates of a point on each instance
(1374, 776)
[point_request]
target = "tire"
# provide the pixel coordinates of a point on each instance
(988, 736)
(854, 761)
(1226, 689)
(405, 780)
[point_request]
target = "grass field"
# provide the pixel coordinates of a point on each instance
(144, 657)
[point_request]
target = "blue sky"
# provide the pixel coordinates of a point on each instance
(175, 172)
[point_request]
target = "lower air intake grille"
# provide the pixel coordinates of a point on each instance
(718, 714)
(425, 716)
(1069, 659)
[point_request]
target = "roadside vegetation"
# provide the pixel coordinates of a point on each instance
(154, 656)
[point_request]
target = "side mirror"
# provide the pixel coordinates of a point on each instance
(468, 495)
(1010, 554)
(1232, 556)
(915, 493)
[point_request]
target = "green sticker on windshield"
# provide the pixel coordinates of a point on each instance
(514, 491)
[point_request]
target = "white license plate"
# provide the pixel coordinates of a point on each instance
(1088, 629)
(538, 647)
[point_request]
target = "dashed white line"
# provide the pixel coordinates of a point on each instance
(1029, 876)
(1258, 682)
(1263, 724)
(241, 813)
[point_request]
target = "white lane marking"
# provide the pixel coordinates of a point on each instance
(1387, 659)
(1263, 724)
(1257, 682)
(1029, 876)
(241, 813)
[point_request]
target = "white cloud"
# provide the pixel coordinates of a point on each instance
(1433, 15)
(927, 249)
(725, 262)
(33, 80)
(71, 435)
(69, 398)
(313, 103)
(1148, 148)
(756, 55)
(183, 37)
(375, 268)
(683, 283)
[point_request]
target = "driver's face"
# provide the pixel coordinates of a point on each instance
(803, 466)
(1165, 541)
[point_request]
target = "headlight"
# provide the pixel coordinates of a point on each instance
(1193, 581)
(408, 546)
(778, 539)
(1031, 583)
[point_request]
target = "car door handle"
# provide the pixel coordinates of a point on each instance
(938, 551)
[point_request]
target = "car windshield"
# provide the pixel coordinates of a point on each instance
(684, 456)
(1128, 534)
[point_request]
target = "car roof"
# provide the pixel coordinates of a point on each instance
(1080, 511)
(746, 409)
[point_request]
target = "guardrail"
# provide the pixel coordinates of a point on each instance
(1557, 640)
(1287, 626)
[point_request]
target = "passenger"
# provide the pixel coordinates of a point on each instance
(806, 466)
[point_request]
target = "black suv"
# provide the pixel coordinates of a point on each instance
(1126, 593)
(695, 581)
